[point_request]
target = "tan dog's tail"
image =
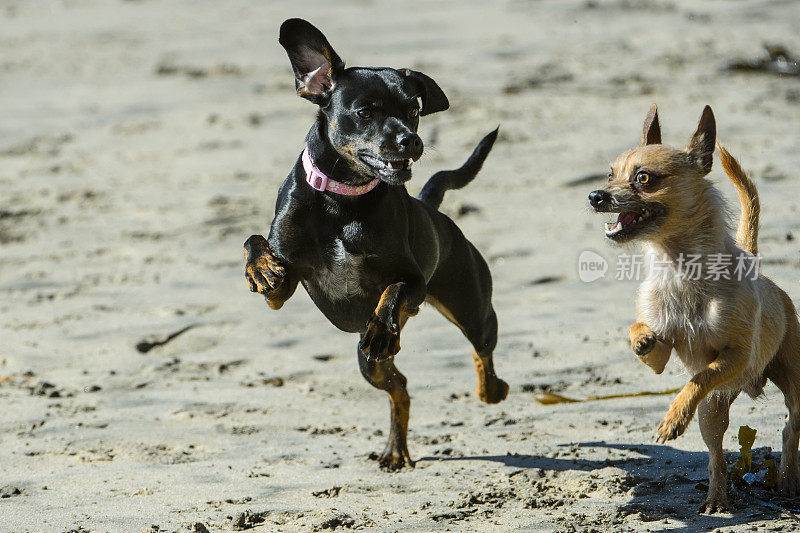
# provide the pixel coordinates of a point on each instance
(747, 233)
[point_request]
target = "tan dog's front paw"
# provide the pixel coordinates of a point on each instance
(648, 347)
(643, 344)
(380, 341)
(673, 425)
(642, 338)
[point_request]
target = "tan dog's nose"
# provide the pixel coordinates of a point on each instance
(599, 198)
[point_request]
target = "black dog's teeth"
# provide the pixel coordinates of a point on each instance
(399, 165)
(387, 165)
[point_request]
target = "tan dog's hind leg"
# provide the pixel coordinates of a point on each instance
(713, 417)
(650, 350)
(784, 371)
(729, 364)
(789, 479)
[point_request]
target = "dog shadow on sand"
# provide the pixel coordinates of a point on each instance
(667, 485)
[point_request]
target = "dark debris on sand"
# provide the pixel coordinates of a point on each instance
(775, 60)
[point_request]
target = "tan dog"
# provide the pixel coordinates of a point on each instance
(731, 331)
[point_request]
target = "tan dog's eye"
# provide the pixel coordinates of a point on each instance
(643, 178)
(610, 175)
(364, 113)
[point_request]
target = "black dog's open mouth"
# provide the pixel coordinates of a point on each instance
(394, 169)
(631, 223)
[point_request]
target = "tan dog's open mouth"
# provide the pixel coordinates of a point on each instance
(630, 223)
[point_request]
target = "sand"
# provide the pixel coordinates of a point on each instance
(142, 142)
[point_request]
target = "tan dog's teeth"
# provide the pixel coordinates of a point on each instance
(612, 227)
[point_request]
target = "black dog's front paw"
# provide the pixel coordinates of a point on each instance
(263, 272)
(394, 457)
(380, 341)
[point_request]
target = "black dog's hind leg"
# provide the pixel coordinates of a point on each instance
(464, 297)
(491, 389)
(385, 376)
(483, 337)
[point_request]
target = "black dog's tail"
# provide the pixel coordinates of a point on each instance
(444, 180)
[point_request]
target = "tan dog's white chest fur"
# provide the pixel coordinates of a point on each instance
(695, 316)
(677, 308)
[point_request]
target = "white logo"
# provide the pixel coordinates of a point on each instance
(591, 266)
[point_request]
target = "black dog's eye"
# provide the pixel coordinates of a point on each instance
(413, 112)
(364, 113)
(643, 178)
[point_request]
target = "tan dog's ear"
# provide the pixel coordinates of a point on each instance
(651, 131)
(701, 145)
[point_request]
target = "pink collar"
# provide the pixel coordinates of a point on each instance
(319, 181)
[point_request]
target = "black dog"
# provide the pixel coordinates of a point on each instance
(345, 227)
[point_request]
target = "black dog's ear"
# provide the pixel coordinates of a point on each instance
(701, 145)
(433, 98)
(651, 131)
(316, 65)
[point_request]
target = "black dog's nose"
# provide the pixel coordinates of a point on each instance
(599, 198)
(410, 144)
